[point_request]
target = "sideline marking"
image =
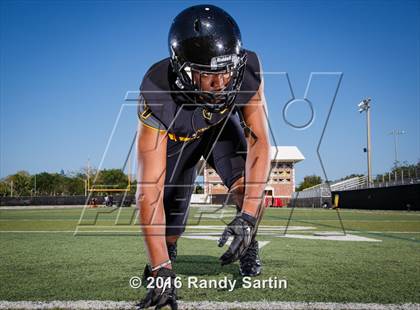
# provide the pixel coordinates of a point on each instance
(213, 305)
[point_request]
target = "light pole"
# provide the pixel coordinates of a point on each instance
(364, 106)
(396, 133)
(35, 185)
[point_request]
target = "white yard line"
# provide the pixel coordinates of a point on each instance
(339, 236)
(211, 305)
(218, 216)
(261, 227)
(192, 232)
(260, 243)
(39, 220)
(387, 212)
(36, 231)
(385, 232)
(375, 221)
(41, 207)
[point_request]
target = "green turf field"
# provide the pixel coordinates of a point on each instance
(43, 259)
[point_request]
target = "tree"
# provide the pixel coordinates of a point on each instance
(351, 176)
(73, 183)
(111, 178)
(406, 170)
(309, 181)
(20, 182)
(46, 184)
(4, 188)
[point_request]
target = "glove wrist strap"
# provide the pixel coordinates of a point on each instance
(252, 220)
(164, 264)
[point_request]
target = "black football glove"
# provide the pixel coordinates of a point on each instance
(242, 229)
(161, 296)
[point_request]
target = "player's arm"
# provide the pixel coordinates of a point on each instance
(244, 226)
(258, 160)
(151, 156)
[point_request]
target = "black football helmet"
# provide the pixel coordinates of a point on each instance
(207, 40)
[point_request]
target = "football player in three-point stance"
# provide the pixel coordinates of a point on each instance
(205, 100)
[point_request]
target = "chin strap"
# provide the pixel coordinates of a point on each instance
(247, 130)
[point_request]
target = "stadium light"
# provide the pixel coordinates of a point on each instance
(396, 133)
(364, 106)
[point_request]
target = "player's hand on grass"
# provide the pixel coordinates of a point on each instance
(162, 292)
(242, 229)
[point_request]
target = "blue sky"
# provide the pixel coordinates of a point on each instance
(66, 67)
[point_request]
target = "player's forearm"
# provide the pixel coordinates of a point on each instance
(256, 175)
(152, 221)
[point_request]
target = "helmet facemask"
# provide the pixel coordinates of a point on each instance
(213, 101)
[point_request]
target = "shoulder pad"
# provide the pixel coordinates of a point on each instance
(156, 91)
(252, 79)
(146, 116)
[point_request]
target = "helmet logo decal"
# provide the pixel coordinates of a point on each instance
(221, 61)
